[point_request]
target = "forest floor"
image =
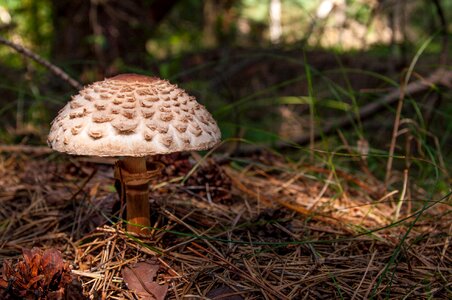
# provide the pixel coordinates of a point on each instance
(260, 227)
(311, 224)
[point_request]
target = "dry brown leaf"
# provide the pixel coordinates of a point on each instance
(141, 277)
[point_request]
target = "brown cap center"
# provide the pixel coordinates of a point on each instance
(133, 78)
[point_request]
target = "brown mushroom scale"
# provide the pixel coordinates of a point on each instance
(133, 116)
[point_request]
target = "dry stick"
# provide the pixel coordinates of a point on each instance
(402, 195)
(311, 112)
(51, 67)
(395, 131)
(44, 150)
(38, 150)
(440, 76)
(364, 276)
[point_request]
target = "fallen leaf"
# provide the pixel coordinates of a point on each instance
(140, 278)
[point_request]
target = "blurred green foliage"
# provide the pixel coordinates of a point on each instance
(252, 106)
(32, 26)
(182, 30)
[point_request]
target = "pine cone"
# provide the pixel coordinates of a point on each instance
(210, 179)
(41, 275)
(176, 164)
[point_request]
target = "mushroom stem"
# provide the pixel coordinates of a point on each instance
(134, 164)
(137, 196)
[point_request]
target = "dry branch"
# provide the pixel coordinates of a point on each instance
(37, 58)
(438, 77)
(38, 150)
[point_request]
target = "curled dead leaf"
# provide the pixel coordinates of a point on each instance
(141, 278)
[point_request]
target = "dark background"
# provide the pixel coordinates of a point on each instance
(270, 82)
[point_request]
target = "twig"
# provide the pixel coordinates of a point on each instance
(37, 58)
(395, 130)
(39, 150)
(364, 276)
(402, 195)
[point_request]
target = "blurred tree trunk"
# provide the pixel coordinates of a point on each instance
(210, 12)
(218, 21)
(104, 33)
(275, 21)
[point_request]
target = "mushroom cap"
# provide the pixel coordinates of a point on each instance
(132, 115)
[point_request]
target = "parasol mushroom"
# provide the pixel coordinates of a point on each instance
(132, 116)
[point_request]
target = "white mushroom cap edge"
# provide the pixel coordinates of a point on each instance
(132, 115)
